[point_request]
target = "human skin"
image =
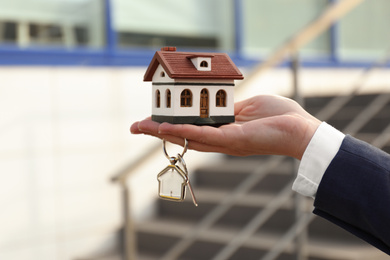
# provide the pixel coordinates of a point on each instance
(265, 124)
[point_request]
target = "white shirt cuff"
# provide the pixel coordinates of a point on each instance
(321, 150)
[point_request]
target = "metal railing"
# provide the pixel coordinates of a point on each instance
(324, 21)
(129, 245)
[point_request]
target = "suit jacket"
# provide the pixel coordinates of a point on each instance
(354, 192)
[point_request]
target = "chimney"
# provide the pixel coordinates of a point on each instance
(168, 48)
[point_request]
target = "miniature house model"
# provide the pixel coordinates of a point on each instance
(192, 88)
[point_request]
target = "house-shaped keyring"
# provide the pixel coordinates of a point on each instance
(192, 88)
(171, 183)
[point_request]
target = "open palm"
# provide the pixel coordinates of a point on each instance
(264, 125)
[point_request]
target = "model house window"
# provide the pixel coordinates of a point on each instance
(168, 96)
(186, 98)
(158, 98)
(221, 98)
(162, 74)
(204, 64)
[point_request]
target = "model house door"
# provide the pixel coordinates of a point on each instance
(204, 103)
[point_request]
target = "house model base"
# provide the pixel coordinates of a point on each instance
(194, 120)
(192, 88)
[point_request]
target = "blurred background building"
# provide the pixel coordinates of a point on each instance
(71, 83)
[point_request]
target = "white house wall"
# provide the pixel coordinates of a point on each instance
(222, 111)
(176, 90)
(194, 110)
(163, 109)
(157, 75)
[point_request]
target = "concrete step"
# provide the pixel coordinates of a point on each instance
(354, 106)
(386, 148)
(244, 210)
(314, 104)
(361, 100)
(213, 239)
(208, 199)
(228, 173)
(345, 115)
(375, 125)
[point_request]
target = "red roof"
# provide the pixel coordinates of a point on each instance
(178, 65)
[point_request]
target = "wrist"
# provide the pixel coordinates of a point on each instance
(307, 131)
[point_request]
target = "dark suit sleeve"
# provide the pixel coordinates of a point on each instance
(354, 192)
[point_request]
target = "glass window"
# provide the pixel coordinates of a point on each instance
(221, 98)
(53, 23)
(168, 96)
(364, 32)
(263, 26)
(204, 64)
(8, 32)
(186, 98)
(50, 34)
(191, 23)
(269, 23)
(158, 98)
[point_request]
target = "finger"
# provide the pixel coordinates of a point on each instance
(225, 136)
(202, 134)
(239, 106)
(201, 147)
(148, 126)
(194, 145)
(134, 128)
(151, 128)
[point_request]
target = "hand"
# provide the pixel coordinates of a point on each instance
(264, 125)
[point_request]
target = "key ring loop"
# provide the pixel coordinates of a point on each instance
(181, 155)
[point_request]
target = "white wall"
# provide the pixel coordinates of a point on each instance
(65, 131)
